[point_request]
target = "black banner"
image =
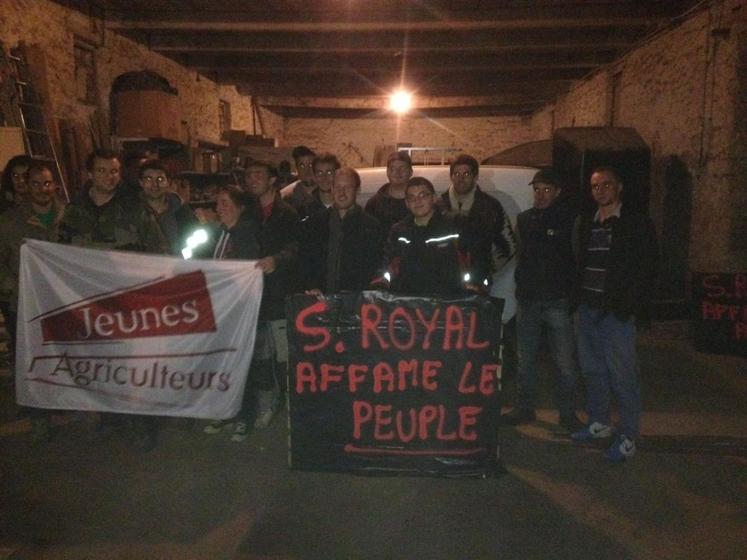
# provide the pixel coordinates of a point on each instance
(381, 384)
(720, 313)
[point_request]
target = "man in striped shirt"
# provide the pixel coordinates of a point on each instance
(617, 254)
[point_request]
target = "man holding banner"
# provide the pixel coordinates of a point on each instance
(36, 218)
(104, 216)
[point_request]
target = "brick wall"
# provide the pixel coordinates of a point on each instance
(54, 28)
(684, 92)
(355, 140)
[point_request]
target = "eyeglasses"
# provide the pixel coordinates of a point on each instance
(324, 172)
(160, 179)
(304, 165)
(459, 174)
(39, 184)
(422, 195)
(603, 186)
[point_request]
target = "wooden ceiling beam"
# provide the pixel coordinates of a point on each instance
(540, 40)
(379, 102)
(561, 22)
(421, 61)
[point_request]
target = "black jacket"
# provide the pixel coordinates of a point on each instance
(631, 267)
(237, 243)
(386, 209)
(546, 267)
(425, 260)
(278, 237)
(360, 252)
(486, 232)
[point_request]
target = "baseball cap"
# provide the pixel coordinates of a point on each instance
(547, 176)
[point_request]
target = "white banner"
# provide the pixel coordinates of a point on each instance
(124, 332)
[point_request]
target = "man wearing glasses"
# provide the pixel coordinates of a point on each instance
(301, 192)
(324, 167)
(617, 262)
(424, 254)
(545, 274)
(37, 217)
(175, 218)
(482, 222)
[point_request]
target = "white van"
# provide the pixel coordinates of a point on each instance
(509, 184)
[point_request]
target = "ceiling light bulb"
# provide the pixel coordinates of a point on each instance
(401, 101)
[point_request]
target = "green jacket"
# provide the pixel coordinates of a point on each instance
(125, 223)
(17, 224)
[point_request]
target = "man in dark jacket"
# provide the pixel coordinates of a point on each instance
(176, 219)
(278, 238)
(617, 262)
(343, 245)
(545, 272)
(423, 254)
(484, 227)
(388, 204)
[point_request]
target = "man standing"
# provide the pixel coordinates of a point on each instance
(617, 254)
(486, 233)
(325, 166)
(278, 248)
(37, 217)
(388, 204)
(175, 218)
(344, 243)
(300, 192)
(103, 216)
(545, 273)
(423, 253)
(483, 224)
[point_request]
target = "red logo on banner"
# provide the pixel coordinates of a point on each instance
(175, 306)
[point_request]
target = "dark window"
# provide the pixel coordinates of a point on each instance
(85, 73)
(224, 116)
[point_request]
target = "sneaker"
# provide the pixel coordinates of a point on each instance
(217, 426)
(622, 448)
(264, 418)
(241, 432)
(518, 416)
(595, 430)
(571, 423)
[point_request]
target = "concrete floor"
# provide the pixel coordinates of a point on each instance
(203, 497)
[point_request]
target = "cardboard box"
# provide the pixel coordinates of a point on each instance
(148, 114)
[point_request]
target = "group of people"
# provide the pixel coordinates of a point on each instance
(312, 236)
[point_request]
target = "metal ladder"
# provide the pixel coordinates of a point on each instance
(28, 105)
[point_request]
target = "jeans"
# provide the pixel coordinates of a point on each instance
(555, 317)
(606, 350)
(262, 377)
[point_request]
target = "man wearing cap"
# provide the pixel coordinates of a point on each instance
(545, 273)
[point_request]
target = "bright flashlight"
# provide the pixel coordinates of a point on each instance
(400, 102)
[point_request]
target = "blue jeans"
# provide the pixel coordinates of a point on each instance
(555, 317)
(606, 350)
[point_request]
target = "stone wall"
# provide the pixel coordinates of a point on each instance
(55, 28)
